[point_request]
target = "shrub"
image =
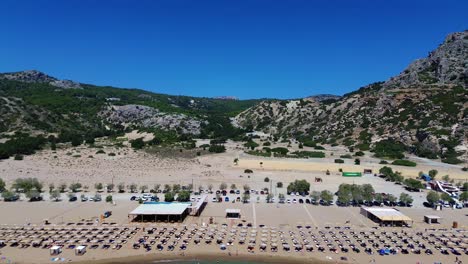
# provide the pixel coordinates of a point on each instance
(112, 154)
(109, 198)
(280, 150)
(217, 148)
(383, 162)
(279, 185)
(389, 149)
(248, 171)
(137, 143)
(309, 154)
(452, 160)
(339, 161)
(359, 153)
(183, 196)
(266, 179)
(346, 156)
(19, 157)
(404, 163)
(100, 152)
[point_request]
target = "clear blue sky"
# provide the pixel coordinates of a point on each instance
(249, 49)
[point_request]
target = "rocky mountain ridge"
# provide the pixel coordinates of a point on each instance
(34, 76)
(425, 108)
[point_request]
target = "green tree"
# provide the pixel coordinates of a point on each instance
(183, 196)
(379, 198)
(121, 187)
(98, 186)
(62, 187)
(446, 178)
(75, 187)
(133, 188)
(391, 198)
(344, 195)
(251, 144)
(315, 195)
(406, 198)
(367, 192)
(8, 195)
(210, 187)
(109, 199)
(167, 188)
(233, 186)
(326, 196)
(169, 197)
(446, 197)
(300, 186)
(33, 195)
(413, 184)
(357, 162)
(143, 188)
(266, 179)
(157, 187)
(246, 188)
(432, 197)
(2, 185)
(76, 141)
(245, 197)
(137, 143)
(236, 161)
(110, 187)
(176, 188)
(433, 174)
(51, 187)
(269, 197)
(279, 185)
(55, 195)
(464, 196)
(223, 186)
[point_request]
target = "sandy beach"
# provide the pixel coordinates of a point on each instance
(87, 166)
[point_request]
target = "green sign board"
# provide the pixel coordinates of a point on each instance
(352, 174)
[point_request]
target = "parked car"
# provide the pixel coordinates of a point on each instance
(226, 199)
(214, 200)
(73, 199)
(84, 198)
(133, 198)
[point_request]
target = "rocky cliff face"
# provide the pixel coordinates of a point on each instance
(446, 65)
(34, 76)
(145, 116)
(424, 107)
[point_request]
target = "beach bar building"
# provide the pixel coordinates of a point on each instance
(160, 211)
(386, 216)
(233, 213)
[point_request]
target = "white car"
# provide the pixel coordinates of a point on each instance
(192, 199)
(214, 200)
(294, 201)
(293, 194)
(288, 201)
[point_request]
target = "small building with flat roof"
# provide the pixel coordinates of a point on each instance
(386, 216)
(233, 213)
(432, 219)
(160, 211)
